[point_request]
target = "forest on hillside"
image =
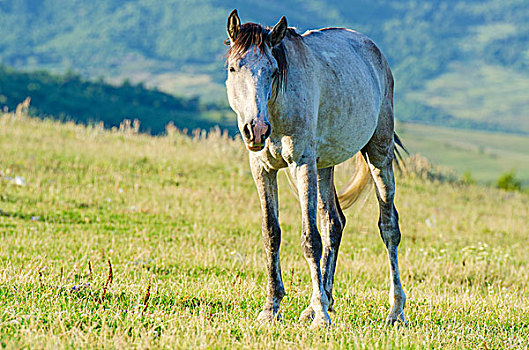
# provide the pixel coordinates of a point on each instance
(457, 63)
(70, 97)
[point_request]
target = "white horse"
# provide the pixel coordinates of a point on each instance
(309, 102)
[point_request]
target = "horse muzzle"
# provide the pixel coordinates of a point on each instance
(255, 147)
(255, 134)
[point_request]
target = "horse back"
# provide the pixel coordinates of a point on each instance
(341, 50)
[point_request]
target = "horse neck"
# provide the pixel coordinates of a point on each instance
(297, 53)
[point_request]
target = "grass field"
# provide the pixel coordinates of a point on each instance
(486, 155)
(178, 219)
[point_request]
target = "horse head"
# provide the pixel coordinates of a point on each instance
(253, 71)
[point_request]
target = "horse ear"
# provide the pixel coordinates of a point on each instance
(233, 25)
(278, 32)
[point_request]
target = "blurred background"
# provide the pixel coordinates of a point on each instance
(461, 67)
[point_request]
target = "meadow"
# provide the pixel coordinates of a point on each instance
(124, 240)
(484, 155)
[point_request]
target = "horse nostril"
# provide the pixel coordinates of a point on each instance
(268, 130)
(247, 131)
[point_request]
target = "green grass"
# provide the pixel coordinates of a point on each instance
(486, 155)
(181, 215)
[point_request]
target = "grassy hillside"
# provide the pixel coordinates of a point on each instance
(481, 95)
(483, 155)
(454, 61)
(178, 220)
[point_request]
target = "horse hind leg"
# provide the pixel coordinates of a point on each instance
(379, 153)
(332, 222)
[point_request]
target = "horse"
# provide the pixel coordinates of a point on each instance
(308, 103)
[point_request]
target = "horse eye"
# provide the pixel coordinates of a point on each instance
(232, 69)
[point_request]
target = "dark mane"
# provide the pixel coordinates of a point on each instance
(253, 34)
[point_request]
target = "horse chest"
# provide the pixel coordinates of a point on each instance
(271, 157)
(280, 152)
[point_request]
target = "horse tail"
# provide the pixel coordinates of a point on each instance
(357, 185)
(396, 155)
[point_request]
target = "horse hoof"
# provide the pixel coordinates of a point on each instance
(307, 315)
(321, 321)
(266, 316)
(396, 320)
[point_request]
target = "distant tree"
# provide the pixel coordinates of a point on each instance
(509, 182)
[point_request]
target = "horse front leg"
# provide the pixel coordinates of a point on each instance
(305, 173)
(332, 223)
(266, 183)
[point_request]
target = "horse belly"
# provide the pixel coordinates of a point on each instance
(339, 147)
(347, 115)
(343, 135)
